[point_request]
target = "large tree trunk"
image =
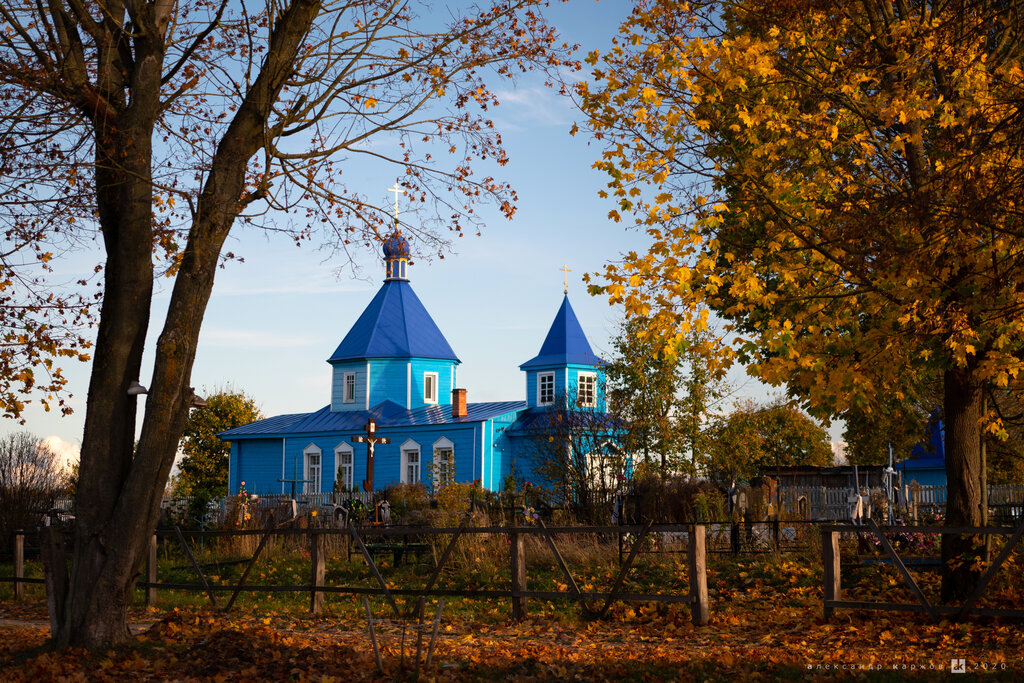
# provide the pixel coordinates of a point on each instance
(962, 412)
(121, 483)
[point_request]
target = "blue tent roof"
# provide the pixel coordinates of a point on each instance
(565, 344)
(386, 414)
(394, 325)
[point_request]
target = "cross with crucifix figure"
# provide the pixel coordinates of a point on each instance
(371, 439)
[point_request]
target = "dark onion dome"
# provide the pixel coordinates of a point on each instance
(396, 246)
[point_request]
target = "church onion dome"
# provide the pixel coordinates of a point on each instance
(396, 256)
(396, 246)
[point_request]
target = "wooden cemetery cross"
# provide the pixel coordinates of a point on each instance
(370, 440)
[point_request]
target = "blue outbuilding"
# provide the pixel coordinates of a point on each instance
(927, 462)
(396, 368)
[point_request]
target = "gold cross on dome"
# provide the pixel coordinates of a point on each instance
(565, 274)
(397, 189)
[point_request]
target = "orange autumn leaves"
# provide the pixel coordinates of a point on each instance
(762, 624)
(838, 181)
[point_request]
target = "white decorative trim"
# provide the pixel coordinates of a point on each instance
(344, 387)
(367, 385)
(433, 400)
(540, 400)
(444, 443)
(408, 446)
(490, 475)
(344, 448)
(312, 449)
(579, 381)
(284, 442)
(408, 385)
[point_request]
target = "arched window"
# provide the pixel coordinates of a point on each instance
(313, 457)
(410, 473)
(443, 465)
(345, 459)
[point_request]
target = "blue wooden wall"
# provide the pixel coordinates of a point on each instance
(390, 381)
(257, 462)
(565, 380)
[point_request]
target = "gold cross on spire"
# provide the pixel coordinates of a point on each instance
(565, 275)
(397, 190)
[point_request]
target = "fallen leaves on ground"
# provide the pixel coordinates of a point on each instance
(766, 623)
(745, 639)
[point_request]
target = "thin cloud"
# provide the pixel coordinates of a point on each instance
(531, 106)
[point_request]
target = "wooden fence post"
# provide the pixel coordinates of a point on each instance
(51, 547)
(318, 562)
(698, 575)
(151, 572)
(518, 564)
(831, 560)
(19, 564)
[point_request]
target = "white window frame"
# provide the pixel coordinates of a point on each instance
(348, 388)
(591, 379)
(410, 448)
(348, 473)
(440, 474)
(312, 468)
(541, 377)
(430, 381)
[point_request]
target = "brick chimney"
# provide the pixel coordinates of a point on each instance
(459, 403)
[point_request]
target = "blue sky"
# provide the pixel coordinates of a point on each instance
(274, 320)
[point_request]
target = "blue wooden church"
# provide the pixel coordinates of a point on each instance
(394, 381)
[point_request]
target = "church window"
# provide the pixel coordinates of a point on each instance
(430, 387)
(350, 388)
(586, 389)
(412, 467)
(410, 462)
(545, 388)
(344, 456)
(313, 469)
(443, 467)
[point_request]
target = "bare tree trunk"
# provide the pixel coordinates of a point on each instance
(962, 413)
(121, 484)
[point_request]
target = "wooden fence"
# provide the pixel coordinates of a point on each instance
(831, 559)
(517, 591)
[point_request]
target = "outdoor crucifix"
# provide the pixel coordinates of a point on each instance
(565, 275)
(371, 439)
